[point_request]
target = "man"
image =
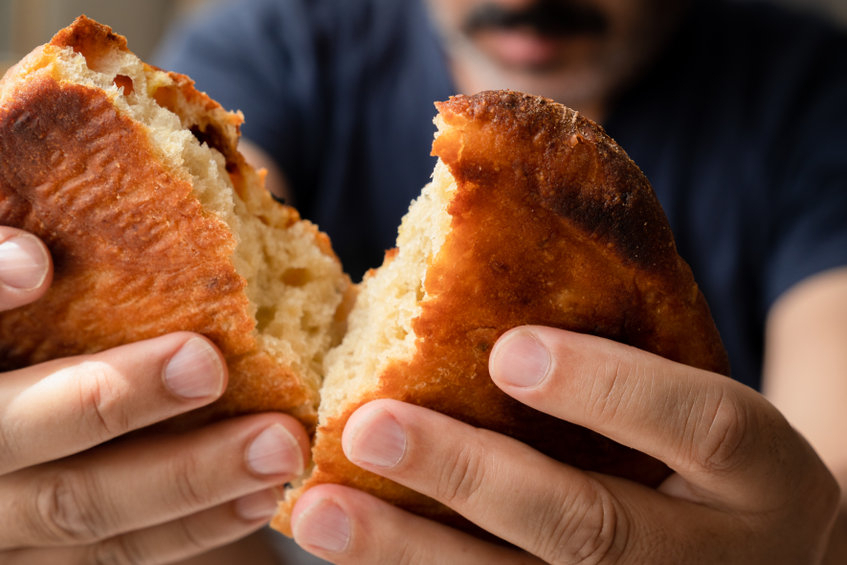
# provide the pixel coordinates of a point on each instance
(736, 115)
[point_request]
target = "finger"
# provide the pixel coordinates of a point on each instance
(147, 481)
(66, 406)
(554, 511)
(166, 543)
(344, 525)
(502, 485)
(25, 268)
(715, 432)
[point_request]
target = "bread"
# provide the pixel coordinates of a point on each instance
(533, 216)
(156, 223)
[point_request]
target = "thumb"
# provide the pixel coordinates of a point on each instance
(25, 268)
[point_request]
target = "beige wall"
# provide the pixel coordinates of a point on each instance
(25, 24)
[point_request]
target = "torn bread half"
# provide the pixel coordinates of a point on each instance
(156, 223)
(533, 216)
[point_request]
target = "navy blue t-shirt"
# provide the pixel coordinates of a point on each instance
(741, 127)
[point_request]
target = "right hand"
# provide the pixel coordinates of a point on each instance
(75, 491)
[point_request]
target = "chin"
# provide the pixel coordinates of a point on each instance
(582, 90)
(583, 84)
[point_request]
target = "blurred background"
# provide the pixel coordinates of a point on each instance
(25, 24)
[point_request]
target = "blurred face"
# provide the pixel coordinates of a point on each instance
(578, 52)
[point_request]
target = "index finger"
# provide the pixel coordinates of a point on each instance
(66, 406)
(715, 432)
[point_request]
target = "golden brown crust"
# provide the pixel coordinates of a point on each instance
(90, 38)
(135, 253)
(552, 224)
(595, 228)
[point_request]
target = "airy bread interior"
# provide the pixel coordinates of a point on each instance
(380, 325)
(294, 285)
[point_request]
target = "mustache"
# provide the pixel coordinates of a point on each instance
(547, 18)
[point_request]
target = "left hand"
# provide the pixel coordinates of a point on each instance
(746, 487)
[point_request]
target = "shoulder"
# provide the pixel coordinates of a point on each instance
(300, 14)
(292, 32)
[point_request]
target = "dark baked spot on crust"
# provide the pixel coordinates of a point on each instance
(571, 165)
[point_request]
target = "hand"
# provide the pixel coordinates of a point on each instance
(746, 487)
(75, 491)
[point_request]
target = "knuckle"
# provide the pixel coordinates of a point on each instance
(610, 389)
(10, 443)
(65, 509)
(192, 539)
(100, 400)
(116, 551)
(136, 550)
(585, 529)
(721, 432)
(191, 492)
(407, 554)
(462, 476)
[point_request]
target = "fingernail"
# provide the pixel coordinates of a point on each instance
(520, 359)
(323, 526)
(195, 371)
(378, 440)
(23, 262)
(257, 506)
(275, 452)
